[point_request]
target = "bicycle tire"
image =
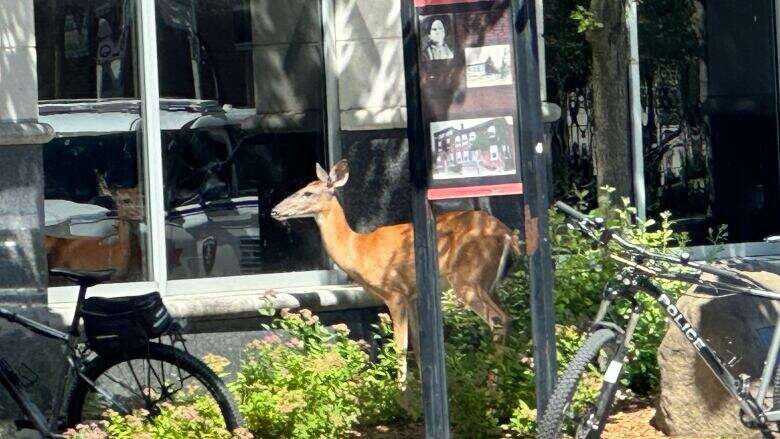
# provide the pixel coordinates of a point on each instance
(165, 354)
(552, 421)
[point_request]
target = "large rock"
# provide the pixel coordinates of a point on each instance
(692, 401)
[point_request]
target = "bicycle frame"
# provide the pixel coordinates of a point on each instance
(737, 387)
(638, 280)
(12, 383)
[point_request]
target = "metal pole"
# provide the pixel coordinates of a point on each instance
(536, 200)
(541, 49)
(636, 109)
(431, 339)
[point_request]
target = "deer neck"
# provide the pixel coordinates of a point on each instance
(123, 229)
(338, 236)
(121, 247)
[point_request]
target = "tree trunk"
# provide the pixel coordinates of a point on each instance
(611, 146)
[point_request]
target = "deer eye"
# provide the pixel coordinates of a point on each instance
(308, 194)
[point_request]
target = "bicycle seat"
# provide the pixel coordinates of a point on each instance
(84, 278)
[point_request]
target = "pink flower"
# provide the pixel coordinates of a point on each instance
(271, 338)
(294, 343)
(342, 328)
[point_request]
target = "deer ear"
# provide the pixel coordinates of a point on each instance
(322, 174)
(339, 174)
(102, 186)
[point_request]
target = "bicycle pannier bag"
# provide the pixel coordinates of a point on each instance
(122, 324)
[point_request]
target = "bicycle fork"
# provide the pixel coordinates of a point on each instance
(610, 386)
(11, 381)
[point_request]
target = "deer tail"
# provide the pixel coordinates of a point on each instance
(510, 255)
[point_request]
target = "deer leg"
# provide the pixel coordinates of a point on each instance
(481, 302)
(414, 329)
(400, 318)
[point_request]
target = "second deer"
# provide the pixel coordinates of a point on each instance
(97, 253)
(474, 250)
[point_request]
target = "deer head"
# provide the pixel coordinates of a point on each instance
(129, 201)
(316, 196)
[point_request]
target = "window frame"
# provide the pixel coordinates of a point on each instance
(148, 76)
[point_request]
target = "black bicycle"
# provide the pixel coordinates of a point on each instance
(117, 366)
(607, 345)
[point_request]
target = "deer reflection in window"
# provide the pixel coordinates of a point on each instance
(119, 251)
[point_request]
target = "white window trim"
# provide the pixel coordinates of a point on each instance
(153, 166)
(68, 294)
(153, 181)
(256, 282)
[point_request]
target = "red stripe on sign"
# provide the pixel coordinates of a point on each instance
(419, 3)
(491, 190)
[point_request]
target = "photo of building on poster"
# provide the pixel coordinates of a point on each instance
(471, 148)
(488, 66)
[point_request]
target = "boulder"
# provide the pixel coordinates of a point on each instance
(739, 328)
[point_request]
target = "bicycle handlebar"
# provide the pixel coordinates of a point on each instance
(607, 235)
(572, 212)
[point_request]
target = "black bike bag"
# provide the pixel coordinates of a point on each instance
(121, 324)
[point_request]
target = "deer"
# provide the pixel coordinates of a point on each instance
(474, 252)
(96, 253)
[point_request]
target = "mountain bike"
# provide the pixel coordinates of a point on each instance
(129, 362)
(606, 347)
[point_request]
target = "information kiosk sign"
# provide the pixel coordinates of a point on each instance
(468, 97)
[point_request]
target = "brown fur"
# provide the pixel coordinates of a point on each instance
(96, 253)
(472, 250)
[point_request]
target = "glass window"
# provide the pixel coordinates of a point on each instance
(87, 80)
(241, 87)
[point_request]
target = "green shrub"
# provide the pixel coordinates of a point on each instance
(306, 381)
(302, 380)
(200, 419)
(316, 384)
(581, 272)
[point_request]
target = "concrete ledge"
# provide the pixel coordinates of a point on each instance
(207, 307)
(233, 305)
(25, 133)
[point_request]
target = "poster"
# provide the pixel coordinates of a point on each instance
(468, 93)
(488, 66)
(471, 148)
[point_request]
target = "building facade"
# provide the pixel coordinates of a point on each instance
(166, 130)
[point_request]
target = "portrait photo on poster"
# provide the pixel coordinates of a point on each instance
(488, 66)
(471, 148)
(437, 42)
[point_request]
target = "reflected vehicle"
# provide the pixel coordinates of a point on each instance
(212, 224)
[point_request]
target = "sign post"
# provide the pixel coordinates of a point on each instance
(432, 367)
(536, 200)
(474, 128)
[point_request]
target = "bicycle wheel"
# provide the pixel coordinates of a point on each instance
(147, 379)
(567, 414)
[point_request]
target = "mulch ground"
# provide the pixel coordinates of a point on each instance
(632, 421)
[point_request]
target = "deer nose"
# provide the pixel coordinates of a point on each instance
(275, 214)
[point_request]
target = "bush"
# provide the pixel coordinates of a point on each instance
(581, 272)
(199, 419)
(302, 380)
(307, 381)
(316, 384)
